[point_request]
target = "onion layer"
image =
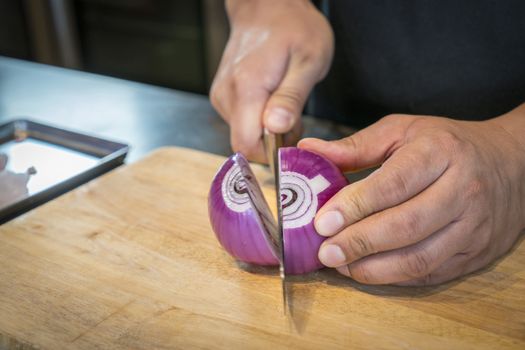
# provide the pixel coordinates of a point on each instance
(242, 221)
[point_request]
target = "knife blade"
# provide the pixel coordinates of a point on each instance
(272, 144)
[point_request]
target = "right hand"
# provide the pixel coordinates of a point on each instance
(277, 51)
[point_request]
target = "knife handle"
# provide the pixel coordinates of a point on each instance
(272, 143)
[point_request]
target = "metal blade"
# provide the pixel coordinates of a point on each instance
(272, 143)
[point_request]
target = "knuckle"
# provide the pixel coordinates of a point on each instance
(359, 245)
(484, 238)
(481, 233)
(480, 244)
(240, 73)
(398, 184)
(242, 78)
(474, 189)
(290, 95)
(268, 82)
(311, 61)
(415, 264)
(448, 142)
(410, 225)
(419, 123)
(396, 118)
(354, 208)
(306, 57)
(215, 98)
(247, 84)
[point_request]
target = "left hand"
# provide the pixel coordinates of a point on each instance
(448, 199)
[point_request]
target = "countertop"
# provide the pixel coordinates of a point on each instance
(144, 116)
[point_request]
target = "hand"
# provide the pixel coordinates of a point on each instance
(448, 199)
(277, 51)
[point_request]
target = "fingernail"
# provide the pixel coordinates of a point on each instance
(329, 223)
(307, 142)
(332, 255)
(280, 120)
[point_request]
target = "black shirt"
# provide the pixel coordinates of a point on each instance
(462, 59)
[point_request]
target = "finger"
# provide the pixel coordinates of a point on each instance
(397, 227)
(243, 114)
(220, 90)
(405, 174)
(239, 93)
(459, 265)
(412, 262)
(366, 148)
(449, 270)
(284, 107)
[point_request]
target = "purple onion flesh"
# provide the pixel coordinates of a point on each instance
(242, 220)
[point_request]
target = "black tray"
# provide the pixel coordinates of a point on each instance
(62, 160)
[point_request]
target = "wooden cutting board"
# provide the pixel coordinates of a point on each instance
(128, 261)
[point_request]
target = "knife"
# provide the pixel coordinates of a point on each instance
(272, 143)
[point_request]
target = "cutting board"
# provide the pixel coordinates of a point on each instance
(129, 261)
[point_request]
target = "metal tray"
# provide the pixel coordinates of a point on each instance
(44, 162)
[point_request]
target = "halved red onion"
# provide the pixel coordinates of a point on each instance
(239, 215)
(308, 181)
(242, 221)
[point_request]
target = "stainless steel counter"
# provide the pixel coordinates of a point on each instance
(144, 116)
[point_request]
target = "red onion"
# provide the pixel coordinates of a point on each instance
(239, 215)
(308, 181)
(242, 221)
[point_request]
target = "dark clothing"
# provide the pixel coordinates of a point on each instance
(461, 59)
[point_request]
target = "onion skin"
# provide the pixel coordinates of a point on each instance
(244, 225)
(301, 240)
(240, 231)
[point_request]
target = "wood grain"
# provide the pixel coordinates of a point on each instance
(129, 261)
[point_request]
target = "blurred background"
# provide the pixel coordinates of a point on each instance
(132, 39)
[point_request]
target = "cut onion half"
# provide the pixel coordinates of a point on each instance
(242, 220)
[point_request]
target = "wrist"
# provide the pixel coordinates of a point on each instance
(237, 9)
(513, 124)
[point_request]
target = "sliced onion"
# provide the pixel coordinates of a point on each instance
(242, 221)
(239, 215)
(308, 181)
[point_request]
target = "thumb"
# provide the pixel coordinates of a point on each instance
(284, 107)
(366, 148)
